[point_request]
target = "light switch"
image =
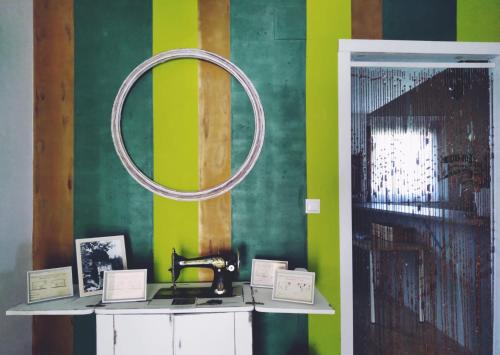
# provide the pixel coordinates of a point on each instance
(312, 205)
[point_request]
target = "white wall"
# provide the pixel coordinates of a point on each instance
(16, 168)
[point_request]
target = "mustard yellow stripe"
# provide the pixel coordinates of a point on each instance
(215, 130)
(175, 134)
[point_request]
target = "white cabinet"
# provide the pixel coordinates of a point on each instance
(175, 334)
(208, 333)
(143, 334)
(157, 327)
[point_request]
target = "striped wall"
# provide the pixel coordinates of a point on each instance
(268, 220)
(322, 161)
(175, 134)
(189, 125)
(111, 37)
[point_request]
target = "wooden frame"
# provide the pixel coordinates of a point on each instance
(419, 54)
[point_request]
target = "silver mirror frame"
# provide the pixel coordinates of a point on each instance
(151, 185)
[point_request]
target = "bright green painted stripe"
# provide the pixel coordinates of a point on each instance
(111, 38)
(175, 134)
(327, 21)
(478, 20)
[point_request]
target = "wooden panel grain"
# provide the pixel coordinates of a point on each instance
(215, 129)
(366, 19)
(53, 159)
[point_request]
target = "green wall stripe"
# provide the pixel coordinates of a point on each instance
(111, 38)
(175, 116)
(428, 20)
(268, 221)
(322, 161)
(478, 20)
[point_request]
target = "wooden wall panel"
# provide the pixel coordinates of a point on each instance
(215, 130)
(366, 19)
(53, 159)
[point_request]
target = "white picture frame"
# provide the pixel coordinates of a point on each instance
(294, 286)
(49, 284)
(93, 257)
(263, 271)
(125, 286)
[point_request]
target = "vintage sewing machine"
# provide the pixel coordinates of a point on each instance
(225, 267)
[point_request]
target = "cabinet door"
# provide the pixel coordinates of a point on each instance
(206, 333)
(149, 334)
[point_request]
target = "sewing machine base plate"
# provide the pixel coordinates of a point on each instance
(193, 292)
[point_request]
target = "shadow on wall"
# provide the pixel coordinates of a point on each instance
(16, 331)
(267, 337)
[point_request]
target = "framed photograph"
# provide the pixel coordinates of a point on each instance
(125, 286)
(94, 256)
(263, 272)
(49, 284)
(294, 286)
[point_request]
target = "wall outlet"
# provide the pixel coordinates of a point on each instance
(312, 206)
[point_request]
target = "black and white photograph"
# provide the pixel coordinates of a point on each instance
(94, 257)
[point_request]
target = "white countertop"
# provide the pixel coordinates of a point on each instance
(264, 303)
(88, 305)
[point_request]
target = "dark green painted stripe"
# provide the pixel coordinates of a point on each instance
(111, 38)
(268, 220)
(426, 20)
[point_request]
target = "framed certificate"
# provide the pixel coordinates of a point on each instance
(125, 285)
(294, 286)
(263, 272)
(49, 284)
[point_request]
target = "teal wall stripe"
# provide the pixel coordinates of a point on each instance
(111, 38)
(268, 220)
(430, 20)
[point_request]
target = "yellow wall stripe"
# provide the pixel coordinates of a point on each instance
(175, 134)
(215, 130)
(478, 20)
(322, 160)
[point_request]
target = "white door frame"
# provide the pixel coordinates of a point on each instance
(422, 53)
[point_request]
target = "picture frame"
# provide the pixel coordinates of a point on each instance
(49, 284)
(263, 271)
(294, 286)
(125, 286)
(96, 255)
